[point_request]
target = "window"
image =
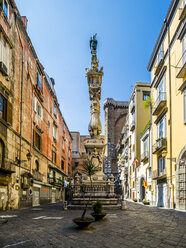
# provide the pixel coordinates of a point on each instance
(145, 146)
(39, 78)
(62, 164)
(37, 140)
(69, 172)
(184, 105)
(160, 53)
(63, 128)
(55, 110)
(3, 107)
(38, 108)
(54, 154)
(5, 8)
(63, 140)
(4, 55)
(69, 153)
(146, 95)
(184, 48)
(161, 95)
(55, 132)
(162, 128)
(161, 165)
(37, 165)
(133, 184)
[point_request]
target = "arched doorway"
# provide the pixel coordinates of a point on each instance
(142, 189)
(181, 181)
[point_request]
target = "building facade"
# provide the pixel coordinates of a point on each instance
(133, 167)
(115, 116)
(144, 170)
(168, 88)
(139, 116)
(35, 143)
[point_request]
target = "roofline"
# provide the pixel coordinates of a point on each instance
(163, 31)
(139, 84)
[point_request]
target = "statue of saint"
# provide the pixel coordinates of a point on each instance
(93, 43)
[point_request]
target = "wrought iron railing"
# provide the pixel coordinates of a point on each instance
(159, 173)
(159, 145)
(160, 102)
(144, 156)
(181, 66)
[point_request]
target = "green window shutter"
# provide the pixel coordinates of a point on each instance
(9, 112)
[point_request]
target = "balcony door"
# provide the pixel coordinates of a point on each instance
(160, 196)
(161, 90)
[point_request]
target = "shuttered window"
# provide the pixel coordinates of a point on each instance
(38, 108)
(37, 140)
(5, 110)
(54, 154)
(4, 53)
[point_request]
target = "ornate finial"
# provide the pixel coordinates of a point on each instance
(93, 43)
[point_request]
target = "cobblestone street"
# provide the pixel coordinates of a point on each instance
(50, 226)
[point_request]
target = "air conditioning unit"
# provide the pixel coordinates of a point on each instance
(3, 69)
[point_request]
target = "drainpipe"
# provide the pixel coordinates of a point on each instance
(170, 107)
(21, 106)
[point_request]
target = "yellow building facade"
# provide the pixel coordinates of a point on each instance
(168, 90)
(139, 116)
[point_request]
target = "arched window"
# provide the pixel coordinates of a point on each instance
(2, 151)
(37, 165)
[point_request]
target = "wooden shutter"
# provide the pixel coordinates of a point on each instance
(34, 137)
(9, 112)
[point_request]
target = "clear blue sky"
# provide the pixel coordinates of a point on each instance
(60, 31)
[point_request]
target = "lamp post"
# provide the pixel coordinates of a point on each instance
(123, 202)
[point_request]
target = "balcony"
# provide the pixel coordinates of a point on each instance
(159, 174)
(126, 155)
(182, 13)
(56, 181)
(161, 144)
(132, 125)
(160, 103)
(37, 175)
(181, 66)
(159, 64)
(132, 106)
(145, 156)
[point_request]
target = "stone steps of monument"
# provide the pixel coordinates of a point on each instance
(106, 207)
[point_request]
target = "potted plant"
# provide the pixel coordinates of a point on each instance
(98, 213)
(135, 199)
(89, 169)
(146, 202)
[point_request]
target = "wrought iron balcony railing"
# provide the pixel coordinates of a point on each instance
(132, 106)
(160, 103)
(55, 181)
(132, 125)
(159, 174)
(160, 145)
(37, 175)
(181, 66)
(145, 156)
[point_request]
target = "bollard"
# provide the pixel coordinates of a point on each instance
(65, 205)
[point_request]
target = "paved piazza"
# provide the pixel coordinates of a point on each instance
(50, 226)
